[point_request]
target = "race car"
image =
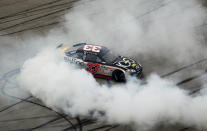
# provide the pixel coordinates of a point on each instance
(101, 62)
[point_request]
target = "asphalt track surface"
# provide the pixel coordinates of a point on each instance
(28, 113)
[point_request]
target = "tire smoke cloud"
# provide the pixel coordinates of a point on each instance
(73, 91)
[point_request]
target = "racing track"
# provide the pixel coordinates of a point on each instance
(28, 113)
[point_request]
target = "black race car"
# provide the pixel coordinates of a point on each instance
(101, 62)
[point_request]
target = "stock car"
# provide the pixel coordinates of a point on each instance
(101, 62)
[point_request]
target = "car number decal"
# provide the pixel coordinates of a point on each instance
(93, 68)
(93, 48)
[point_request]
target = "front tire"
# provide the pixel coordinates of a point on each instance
(118, 76)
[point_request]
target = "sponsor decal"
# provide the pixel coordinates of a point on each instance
(74, 60)
(106, 70)
(126, 63)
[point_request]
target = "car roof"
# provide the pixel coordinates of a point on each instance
(80, 48)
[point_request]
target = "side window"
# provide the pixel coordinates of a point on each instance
(92, 58)
(98, 60)
(75, 54)
(78, 55)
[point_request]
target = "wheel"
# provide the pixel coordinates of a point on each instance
(118, 76)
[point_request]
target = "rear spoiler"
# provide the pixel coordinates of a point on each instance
(79, 44)
(62, 47)
(59, 46)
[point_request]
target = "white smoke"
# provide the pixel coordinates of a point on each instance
(163, 29)
(155, 29)
(63, 87)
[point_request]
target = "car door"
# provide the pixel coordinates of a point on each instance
(93, 63)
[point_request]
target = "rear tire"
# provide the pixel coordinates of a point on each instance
(118, 76)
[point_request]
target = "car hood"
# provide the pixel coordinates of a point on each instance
(127, 63)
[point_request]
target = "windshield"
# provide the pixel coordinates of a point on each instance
(108, 56)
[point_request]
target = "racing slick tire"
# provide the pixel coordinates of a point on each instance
(118, 76)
